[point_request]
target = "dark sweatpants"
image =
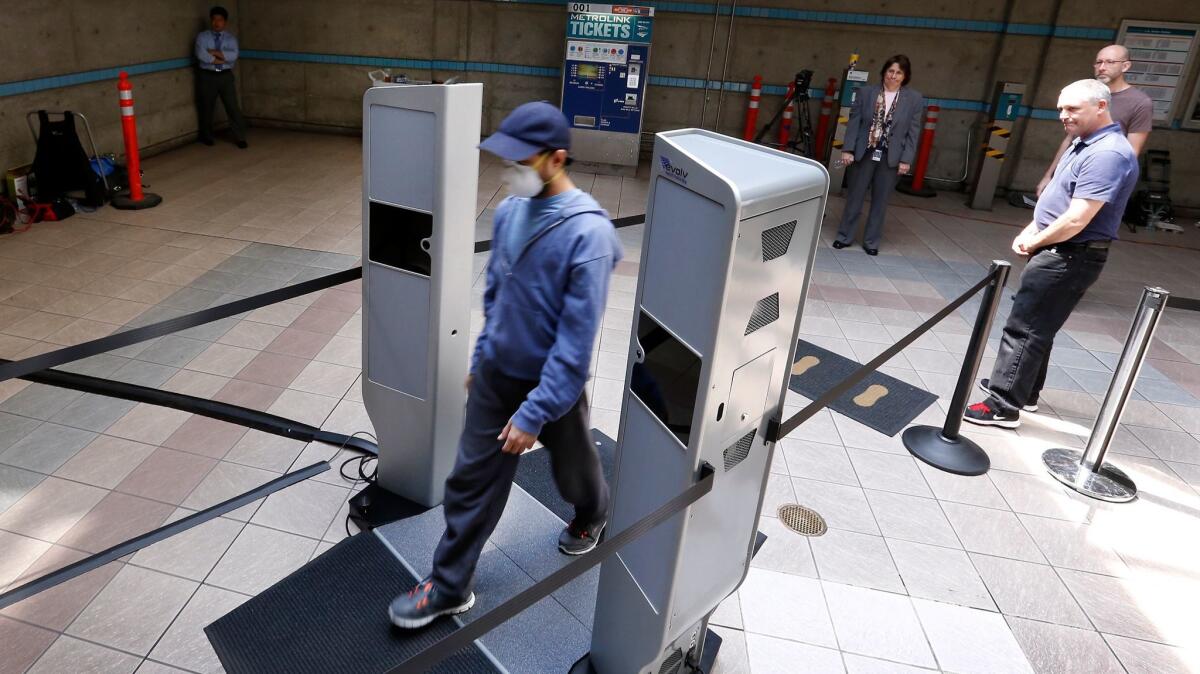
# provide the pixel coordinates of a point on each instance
(478, 487)
(209, 86)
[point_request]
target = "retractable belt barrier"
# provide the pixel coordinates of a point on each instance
(37, 369)
(465, 635)
(1185, 303)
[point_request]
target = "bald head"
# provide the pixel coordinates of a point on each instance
(1110, 66)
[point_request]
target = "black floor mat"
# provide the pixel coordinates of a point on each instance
(331, 616)
(536, 478)
(881, 402)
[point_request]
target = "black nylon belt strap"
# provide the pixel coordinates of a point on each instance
(467, 634)
(1186, 303)
(776, 430)
(627, 221)
(150, 538)
(20, 368)
(214, 409)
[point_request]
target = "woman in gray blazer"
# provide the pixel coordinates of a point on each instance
(880, 145)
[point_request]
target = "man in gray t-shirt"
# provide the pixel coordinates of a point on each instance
(1131, 107)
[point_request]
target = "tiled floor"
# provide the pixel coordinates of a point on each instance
(920, 570)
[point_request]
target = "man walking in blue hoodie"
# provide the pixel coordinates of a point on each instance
(547, 282)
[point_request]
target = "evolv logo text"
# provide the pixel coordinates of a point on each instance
(673, 171)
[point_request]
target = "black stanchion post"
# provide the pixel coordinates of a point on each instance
(943, 447)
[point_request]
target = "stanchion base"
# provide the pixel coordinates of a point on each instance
(906, 187)
(960, 456)
(124, 203)
(1110, 484)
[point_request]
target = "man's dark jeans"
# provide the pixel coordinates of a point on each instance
(1052, 284)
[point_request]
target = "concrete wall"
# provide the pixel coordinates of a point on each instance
(948, 64)
(66, 37)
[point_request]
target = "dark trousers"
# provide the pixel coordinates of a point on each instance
(478, 487)
(209, 86)
(1052, 284)
(881, 179)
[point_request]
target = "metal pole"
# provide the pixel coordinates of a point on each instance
(943, 447)
(725, 68)
(1086, 472)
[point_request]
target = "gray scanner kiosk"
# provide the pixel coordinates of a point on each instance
(730, 238)
(420, 175)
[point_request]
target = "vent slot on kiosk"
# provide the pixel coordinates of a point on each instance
(666, 377)
(765, 313)
(399, 237)
(738, 451)
(775, 241)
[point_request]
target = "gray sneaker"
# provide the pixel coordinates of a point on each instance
(576, 540)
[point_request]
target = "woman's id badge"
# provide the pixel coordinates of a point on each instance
(877, 155)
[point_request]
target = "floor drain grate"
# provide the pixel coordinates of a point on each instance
(803, 521)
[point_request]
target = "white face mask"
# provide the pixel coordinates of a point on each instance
(522, 181)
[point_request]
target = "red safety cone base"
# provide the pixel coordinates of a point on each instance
(123, 202)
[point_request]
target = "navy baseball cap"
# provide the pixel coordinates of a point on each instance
(530, 129)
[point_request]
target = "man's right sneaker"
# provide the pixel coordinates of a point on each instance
(1031, 406)
(987, 414)
(423, 604)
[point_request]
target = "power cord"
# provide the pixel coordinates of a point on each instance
(362, 475)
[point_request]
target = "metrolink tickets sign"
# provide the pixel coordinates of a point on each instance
(625, 23)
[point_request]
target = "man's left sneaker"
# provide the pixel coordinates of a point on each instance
(987, 413)
(576, 540)
(423, 604)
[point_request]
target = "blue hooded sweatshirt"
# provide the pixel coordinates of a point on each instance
(544, 303)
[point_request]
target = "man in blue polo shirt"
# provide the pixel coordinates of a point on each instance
(1076, 218)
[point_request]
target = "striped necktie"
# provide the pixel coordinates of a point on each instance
(217, 46)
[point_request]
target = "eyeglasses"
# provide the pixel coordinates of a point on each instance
(1109, 62)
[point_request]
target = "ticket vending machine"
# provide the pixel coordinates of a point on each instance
(730, 238)
(852, 80)
(605, 72)
(420, 172)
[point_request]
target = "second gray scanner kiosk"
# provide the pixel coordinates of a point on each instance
(730, 238)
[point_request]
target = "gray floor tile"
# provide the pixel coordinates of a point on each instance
(1029, 590)
(1040, 495)
(105, 461)
(93, 412)
(859, 664)
(784, 550)
(843, 507)
(787, 606)
(911, 518)
(15, 483)
(941, 574)
(258, 558)
(225, 481)
(769, 655)
(144, 373)
(887, 472)
(46, 448)
(1125, 608)
(969, 640)
(1166, 445)
(174, 351)
(728, 613)
(39, 401)
(192, 553)
(13, 428)
(877, 624)
(1055, 649)
(856, 559)
(133, 610)
(816, 461)
(732, 657)
(68, 654)
(992, 532)
(1073, 545)
(977, 490)
(1145, 657)
(184, 643)
(306, 508)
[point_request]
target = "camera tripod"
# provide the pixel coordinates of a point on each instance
(801, 141)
